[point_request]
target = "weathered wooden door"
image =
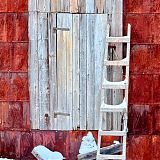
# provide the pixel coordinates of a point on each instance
(80, 46)
(67, 40)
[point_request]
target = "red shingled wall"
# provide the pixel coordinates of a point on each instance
(144, 95)
(16, 138)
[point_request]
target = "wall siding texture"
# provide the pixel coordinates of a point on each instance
(16, 137)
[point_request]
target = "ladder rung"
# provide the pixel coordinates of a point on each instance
(114, 108)
(124, 39)
(114, 85)
(112, 133)
(123, 62)
(104, 157)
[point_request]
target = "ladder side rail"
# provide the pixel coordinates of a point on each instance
(125, 118)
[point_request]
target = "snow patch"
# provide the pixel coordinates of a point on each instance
(116, 142)
(88, 144)
(43, 153)
(5, 159)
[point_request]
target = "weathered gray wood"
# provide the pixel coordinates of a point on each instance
(54, 6)
(43, 71)
(90, 6)
(39, 58)
(52, 69)
(100, 6)
(33, 69)
(86, 6)
(82, 6)
(44, 5)
(32, 5)
(64, 69)
(90, 70)
(99, 49)
(69, 73)
(76, 108)
(83, 75)
(73, 6)
(64, 5)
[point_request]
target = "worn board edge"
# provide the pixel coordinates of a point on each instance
(76, 107)
(33, 70)
(83, 75)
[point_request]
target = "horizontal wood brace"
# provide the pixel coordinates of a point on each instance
(61, 114)
(61, 29)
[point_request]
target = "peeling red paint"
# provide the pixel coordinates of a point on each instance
(140, 119)
(4, 86)
(145, 59)
(19, 87)
(141, 89)
(20, 57)
(21, 24)
(139, 147)
(141, 6)
(5, 59)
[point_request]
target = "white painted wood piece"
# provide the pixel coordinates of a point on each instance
(104, 157)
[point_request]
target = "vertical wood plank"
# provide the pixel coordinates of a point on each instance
(83, 67)
(73, 6)
(69, 73)
(64, 5)
(90, 71)
(99, 50)
(81, 6)
(54, 6)
(100, 6)
(44, 5)
(76, 114)
(86, 6)
(52, 69)
(43, 71)
(61, 77)
(90, 6)
(64, 70)
(33, 69)
(32, 5)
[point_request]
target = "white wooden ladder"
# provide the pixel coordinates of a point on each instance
(121, 108)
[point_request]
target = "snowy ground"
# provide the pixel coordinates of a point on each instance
(5, 159)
